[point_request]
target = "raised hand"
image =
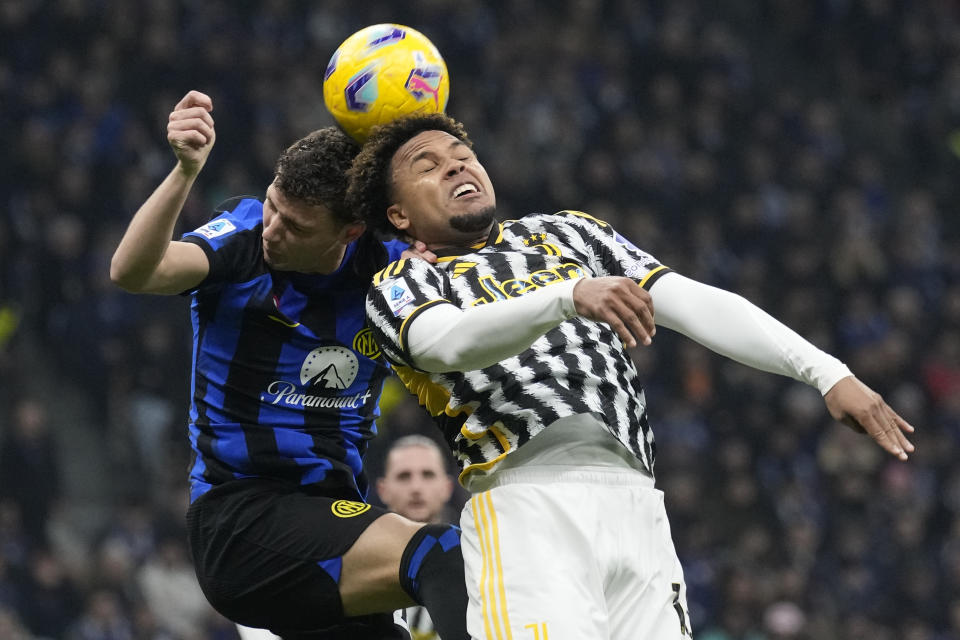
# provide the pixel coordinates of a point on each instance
(190, 131)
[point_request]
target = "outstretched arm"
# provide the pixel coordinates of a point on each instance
(146, 260)
(447, 338)
(731, 326)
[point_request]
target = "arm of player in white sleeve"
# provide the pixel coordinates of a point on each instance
(730, 325)
(447, 338)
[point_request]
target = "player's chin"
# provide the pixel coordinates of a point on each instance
(418, 514)
(477, 219)
(271, 258)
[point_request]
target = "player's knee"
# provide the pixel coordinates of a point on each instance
(432, 556)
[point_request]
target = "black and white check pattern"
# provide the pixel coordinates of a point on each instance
(580, 366)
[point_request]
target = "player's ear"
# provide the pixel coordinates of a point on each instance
(449, 487)
(397, 217)
(352, 231)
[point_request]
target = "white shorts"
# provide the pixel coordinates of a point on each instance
(572, 553)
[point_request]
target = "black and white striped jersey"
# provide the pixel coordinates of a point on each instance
(580, 366)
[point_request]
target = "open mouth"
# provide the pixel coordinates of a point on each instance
(465, 189)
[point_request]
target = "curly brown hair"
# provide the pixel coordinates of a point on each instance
(313, 170)
(369, 192)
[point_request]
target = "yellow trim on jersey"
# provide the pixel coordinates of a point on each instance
(461, 268)
(414, 313)
(647, 277)
(284, 322)
(433, 397)
(581, 214)
(549, 249)
(391, 270)
(397, 267)
(502, 439)
(480, 466)
(493, 594)
(483, 466)
(470, 435)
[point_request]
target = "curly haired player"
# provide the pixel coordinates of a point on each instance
(516, 342)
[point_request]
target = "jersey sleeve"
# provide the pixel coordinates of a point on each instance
(610, 253)
(398, 294)
(231, 241)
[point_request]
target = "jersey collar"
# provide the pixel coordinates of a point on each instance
(447, 253)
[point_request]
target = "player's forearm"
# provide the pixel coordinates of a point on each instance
(731, 326)
(446, 338)
(150, 231)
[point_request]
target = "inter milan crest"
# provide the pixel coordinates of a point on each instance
(348, 508)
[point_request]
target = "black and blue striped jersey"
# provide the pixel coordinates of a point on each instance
(286, 378)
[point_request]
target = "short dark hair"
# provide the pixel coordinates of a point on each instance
(417, 440)
(369, 191)
(313, 170)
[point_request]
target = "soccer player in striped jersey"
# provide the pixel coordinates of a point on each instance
(285, 386)
(516, 342)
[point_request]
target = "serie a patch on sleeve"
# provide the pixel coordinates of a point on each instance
(216, 229)
(399, 296)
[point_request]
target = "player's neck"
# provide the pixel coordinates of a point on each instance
(330, 261)
(462, 241)
(463, 244)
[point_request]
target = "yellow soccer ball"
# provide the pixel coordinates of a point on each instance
(383, 72)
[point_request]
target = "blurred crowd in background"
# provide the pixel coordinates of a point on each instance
(803, 154)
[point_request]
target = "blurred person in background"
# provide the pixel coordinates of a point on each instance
(416, 484)
(30, 470)
(285, 385)
(170, 590)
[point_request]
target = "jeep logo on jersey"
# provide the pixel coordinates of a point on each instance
(329, 368)
(494, 290)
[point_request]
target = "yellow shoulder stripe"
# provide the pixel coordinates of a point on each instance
(581, 214)
(391, 270)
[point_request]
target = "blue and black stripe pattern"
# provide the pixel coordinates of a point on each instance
(286, 378)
